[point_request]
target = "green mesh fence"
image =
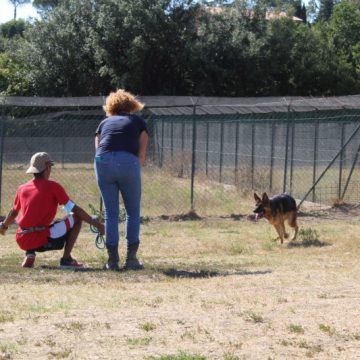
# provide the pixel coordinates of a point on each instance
(199, 156)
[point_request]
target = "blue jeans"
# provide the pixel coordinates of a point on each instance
(119, 172)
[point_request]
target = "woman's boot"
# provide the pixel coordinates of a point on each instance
(113, 261)
(132, 262)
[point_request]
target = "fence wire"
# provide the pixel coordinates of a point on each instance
(193, 154)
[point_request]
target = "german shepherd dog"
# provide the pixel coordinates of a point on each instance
(276, 210)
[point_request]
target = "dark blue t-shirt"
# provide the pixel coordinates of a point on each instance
(120, 133)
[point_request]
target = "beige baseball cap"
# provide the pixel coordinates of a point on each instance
(38, 163)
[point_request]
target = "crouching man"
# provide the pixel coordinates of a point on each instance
(35, 206)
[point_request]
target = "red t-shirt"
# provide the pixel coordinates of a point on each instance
(37, 202)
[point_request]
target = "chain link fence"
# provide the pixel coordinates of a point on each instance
(306, 147)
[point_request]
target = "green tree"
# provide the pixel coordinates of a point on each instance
(226, 59)
(303, 13)
(315, 64)
(13, 77)
(58, 51)
(299, 10)
(344, 27)
(12, 28)
(280, 40)
(178, 47)
(88, 47)
(326, 9)
(144, 45)
(45, 5)
(344, 34)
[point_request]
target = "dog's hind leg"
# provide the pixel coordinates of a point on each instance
(296, 228)
(284, 233)
(292, 223)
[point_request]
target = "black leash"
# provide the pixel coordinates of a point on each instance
(99, 239)
(100, 242)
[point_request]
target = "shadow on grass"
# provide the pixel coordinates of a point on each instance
(308, 243)
(203, 274)
(85, 269)
(173, 273)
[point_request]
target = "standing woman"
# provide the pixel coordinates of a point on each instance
(120, 142)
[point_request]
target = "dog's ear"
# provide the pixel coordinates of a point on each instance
(265, 197)
(256, 197)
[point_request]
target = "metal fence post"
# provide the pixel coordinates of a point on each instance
(221, 149)
(236, 152)
(273, 129)
(286, 150)
(62, 143)
(172, 139)
(2, 137)
(350, 173)
(315, 156)
(341, 158)
(292, 154)
(252, 152)
(330, 164)
(207, 149)
(193, 156)
(182, 146)
(151, 127)
(162, 142)
(156, 136)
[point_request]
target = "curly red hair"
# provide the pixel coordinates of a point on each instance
(121, 101)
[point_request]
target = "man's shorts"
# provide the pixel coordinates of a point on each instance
(59, 233)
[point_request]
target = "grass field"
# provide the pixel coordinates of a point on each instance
(161, 192)
(215, 288)
(160, 196)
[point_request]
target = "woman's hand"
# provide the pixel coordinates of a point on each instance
(143, 141)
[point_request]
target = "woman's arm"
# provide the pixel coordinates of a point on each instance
(144, 137)
(97, 140)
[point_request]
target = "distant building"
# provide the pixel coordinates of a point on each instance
(269, 15)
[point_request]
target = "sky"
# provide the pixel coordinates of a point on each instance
(23, 12)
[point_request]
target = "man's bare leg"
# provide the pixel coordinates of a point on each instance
(73, 235)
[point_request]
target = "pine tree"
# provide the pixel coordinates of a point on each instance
(17, 3)
(326, 10)
(303, 14)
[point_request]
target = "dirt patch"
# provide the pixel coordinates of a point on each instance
(238, 217)
(308, 213)
(344, 208)
(339, 211)
(189, 216)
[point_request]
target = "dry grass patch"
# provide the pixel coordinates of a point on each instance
(217, 288)
(6, 316)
